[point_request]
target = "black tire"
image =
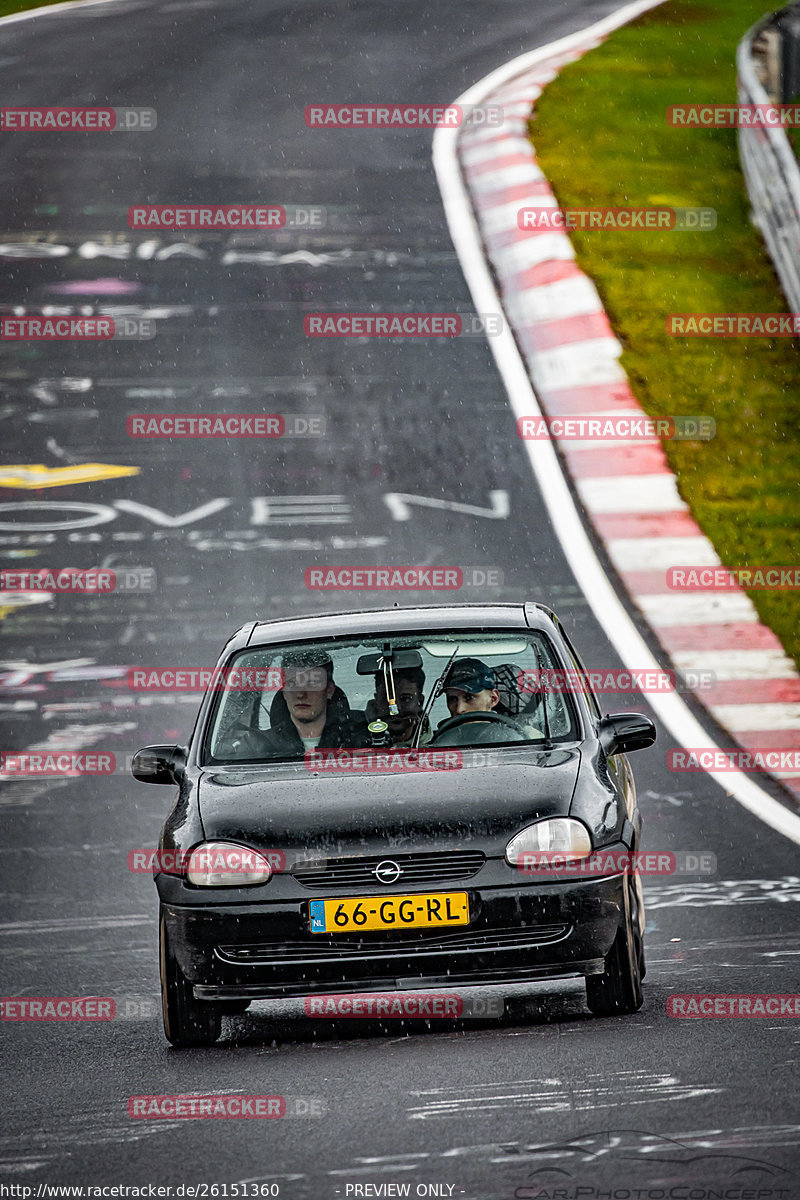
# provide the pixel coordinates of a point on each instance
(187, 1022)
(638, 921)
(619, 989)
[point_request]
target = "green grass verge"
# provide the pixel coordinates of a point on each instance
(602, 139)
(8, 7)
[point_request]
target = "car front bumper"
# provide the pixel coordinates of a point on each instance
(247, 951)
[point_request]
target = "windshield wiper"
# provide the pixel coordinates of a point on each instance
(436, 691)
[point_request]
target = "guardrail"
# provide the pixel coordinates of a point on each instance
(768, 68)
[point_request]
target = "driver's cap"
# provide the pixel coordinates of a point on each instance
(470, 675)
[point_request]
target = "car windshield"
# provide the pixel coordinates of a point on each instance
(286, 701)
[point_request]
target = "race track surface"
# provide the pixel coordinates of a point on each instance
(419, 464)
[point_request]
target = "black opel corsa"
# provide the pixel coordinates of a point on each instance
(399, 799)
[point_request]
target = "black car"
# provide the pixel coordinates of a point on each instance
(357, 800)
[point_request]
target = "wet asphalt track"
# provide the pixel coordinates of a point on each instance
(229, 529)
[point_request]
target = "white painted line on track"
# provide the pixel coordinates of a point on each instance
(575, 542)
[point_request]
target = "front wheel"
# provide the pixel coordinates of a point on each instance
(619, 989)
(187, 1022)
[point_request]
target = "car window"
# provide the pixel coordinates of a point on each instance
(280, 702)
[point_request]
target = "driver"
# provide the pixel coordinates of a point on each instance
(470, 687)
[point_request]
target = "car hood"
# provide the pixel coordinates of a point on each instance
(285, 807)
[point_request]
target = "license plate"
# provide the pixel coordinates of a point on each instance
(392, 912)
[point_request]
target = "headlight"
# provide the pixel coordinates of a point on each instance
(225, 864)
(558, 836)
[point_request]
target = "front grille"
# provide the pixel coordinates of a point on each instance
(358, 871)
(321, 948)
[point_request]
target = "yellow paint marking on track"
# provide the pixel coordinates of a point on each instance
(33, 476)
(16, 601)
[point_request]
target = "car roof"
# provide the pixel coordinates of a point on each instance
(408, 619)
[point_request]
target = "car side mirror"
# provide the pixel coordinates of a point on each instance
(619, 733)
(159, 764)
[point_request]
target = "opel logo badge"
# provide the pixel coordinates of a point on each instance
(387, 872)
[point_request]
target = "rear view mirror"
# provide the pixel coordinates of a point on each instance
(619, 733)
(401, 660)
(159, 764)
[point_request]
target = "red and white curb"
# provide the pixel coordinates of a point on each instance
(571, 356)
(627, 489)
